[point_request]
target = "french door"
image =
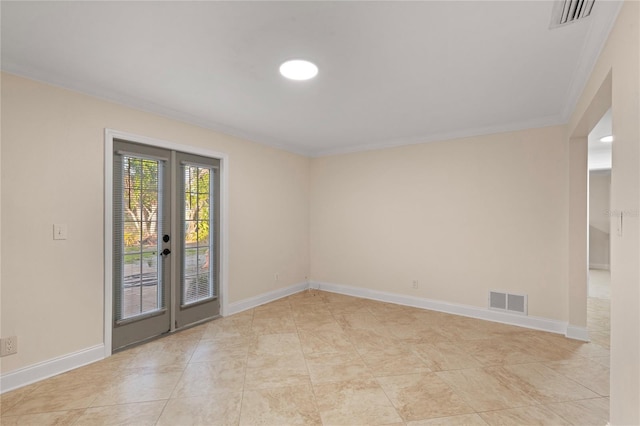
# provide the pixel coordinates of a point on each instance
(165, 241)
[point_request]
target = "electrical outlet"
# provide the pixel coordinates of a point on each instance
(414, 283)
(8, 346)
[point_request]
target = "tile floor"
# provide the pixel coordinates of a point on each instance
(323, 358)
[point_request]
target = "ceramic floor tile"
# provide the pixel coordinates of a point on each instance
(602, 360)
(140, 414)
(280, 406)
(328, 338)
(371, 340)
(444, 356)
(601, 338)
(140, 387)
(489, 388)
(463, 420)
(58, 394)
(219, 409)
(547, 385)
(534, 415)
(585, 412)
(422, 396)
(57, 418)
(225, 328)
(164, 352)
(270, 323)
(221, 349)
(417, 334)
(336, 367)
(354, 403)
(393, 361)
(498, 351)
(468, 329)
(279, 308)
(310, 320)
(275, 344)
(589, 373)
(357, 357)
(347, 307)
(276, 350)
(202, 379)
(363, 320)
(192, 333)
(11, 398)
(277, 376)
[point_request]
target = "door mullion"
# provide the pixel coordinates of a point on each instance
(175, 275)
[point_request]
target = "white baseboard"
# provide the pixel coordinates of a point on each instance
(604, 266)
(577, 333)
(536, 323)
(43, 370)
(252, 302)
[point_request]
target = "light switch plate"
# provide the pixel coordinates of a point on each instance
(59, 232)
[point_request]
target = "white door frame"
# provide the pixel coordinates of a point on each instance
(109, 136)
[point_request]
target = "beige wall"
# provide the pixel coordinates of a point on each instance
(52, 172)
(462, 217)
(619, 66)
(599, 220)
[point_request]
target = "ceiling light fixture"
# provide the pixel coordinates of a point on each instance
(298, 69)
(606, 139)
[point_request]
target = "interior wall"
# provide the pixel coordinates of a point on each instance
(599, 218)
(52, 172)
(619, 66)
(462, 217)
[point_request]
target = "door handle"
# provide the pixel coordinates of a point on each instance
(165, 252)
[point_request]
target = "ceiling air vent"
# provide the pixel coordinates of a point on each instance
(569, 11)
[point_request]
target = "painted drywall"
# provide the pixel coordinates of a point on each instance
(619, 67)
(52, 172)
(461, 217)
(599, 218)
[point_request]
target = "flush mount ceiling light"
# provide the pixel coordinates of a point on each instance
(298, 69)
(606, 139)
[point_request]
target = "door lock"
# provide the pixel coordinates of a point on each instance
(166, 238)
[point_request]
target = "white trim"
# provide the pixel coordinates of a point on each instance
(577, 333)
(49, 368)
(108, 241)
(109, 136)
(252, 302)
(604, 266)
(547, 121)
(536, 323)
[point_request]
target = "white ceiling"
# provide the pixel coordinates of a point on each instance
(391, 73)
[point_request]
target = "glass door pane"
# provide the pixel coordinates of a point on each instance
(141, 275)
(199, 272)
(142, 278)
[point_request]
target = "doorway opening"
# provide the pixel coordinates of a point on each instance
(600, 142)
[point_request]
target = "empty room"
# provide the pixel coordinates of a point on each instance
(320, 212)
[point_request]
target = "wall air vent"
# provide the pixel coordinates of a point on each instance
(569, 11)
(514, 303)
